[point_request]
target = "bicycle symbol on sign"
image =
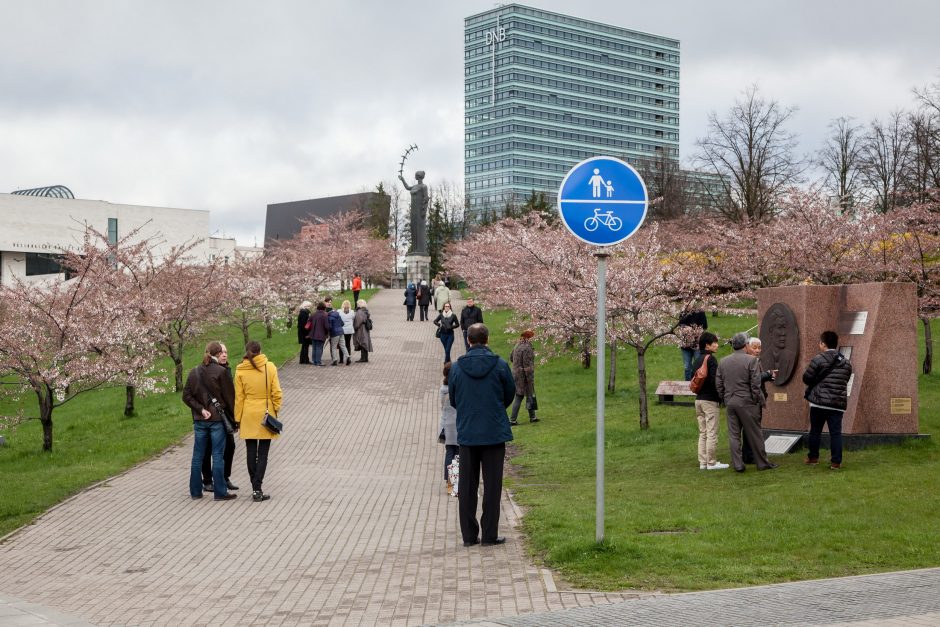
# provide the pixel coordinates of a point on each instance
(607, 218)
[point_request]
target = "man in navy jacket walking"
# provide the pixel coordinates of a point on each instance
(481, 387)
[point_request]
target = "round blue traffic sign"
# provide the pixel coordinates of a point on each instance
(602, 201)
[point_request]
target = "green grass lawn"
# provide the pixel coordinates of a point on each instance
(671, 526)
(92, 440)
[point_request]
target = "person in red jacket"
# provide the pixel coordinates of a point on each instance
(356, 288)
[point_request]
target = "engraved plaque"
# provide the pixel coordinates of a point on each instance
(780, 397)
(900, 405)
(846, 352)
(780, 444)
(852, 322)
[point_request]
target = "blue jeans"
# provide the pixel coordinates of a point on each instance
(817, 418)
(208, 434)
(317, 352)
(447, 339)
(689, 355)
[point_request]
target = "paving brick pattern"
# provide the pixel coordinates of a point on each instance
(359, 531)
(908, 598)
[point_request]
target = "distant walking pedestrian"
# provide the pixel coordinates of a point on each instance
(470, 315)
(424, 299)
(738, 384)
(411, 301)
(356, 287)
(347, 315)
(441, 296)
(303, 317)
(522, 359)
(257, 392)
(448, 428)
(827, 379)
(207, 392)
(480, 387)
(362, 324)
(446, 322)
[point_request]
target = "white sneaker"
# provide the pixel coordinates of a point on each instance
(717, 466)
(702, 466)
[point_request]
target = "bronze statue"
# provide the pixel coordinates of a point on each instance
(419, 207)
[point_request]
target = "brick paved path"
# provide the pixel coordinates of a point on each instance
(359, 531)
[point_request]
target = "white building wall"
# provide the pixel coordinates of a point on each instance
(31, 224)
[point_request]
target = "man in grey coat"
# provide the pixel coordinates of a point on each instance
(738, 384)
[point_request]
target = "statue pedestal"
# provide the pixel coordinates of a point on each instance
(417, 268)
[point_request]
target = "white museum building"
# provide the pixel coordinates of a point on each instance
(37, 224)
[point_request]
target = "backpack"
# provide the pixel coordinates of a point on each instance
(698, 379)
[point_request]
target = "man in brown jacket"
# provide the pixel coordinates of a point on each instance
(738, 385)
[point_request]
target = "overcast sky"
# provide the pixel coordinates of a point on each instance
(231, 105)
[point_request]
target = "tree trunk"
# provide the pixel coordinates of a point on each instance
(290, 317)
(585, 352)
(928, 346)
(612, 375)
(644, 404)
(129, 392)
(178, 373)
(244, 325)
(269, 328)
(45, 417)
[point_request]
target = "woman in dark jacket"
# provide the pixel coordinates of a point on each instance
(302, 331)
(209, 389)
(446, 322)
(411, 299)
(319, 333)
(707, 403)
(424, 299)
(362, 325)
(522, 360)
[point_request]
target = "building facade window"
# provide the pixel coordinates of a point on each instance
(38, 264)
(112, 231)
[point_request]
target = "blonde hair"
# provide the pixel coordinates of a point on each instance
(306, 304)
(361, 303)
(345, 305)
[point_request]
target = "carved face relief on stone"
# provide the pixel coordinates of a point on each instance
(780, 336)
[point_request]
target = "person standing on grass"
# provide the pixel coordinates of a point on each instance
(827, 380)
(207, 390)
(707, 403)
(691, 325)
(448, 428)
(257, 392)
(522, 359)
(362, 325)
(480, 387)
(738, 383)
(424, 299)
(347, 315)
(356, 287)
(469, 316)
(446, 322)
(228, 391)
(302, 317)
(754, 348)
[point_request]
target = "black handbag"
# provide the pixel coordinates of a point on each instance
(439, 332)
(271, 423)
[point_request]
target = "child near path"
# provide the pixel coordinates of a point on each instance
(448, 430)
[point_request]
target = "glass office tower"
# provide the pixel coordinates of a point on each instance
(544, 91)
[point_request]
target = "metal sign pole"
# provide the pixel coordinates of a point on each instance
(601, 349)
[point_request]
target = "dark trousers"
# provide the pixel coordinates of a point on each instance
(743, 422)
(257, 453)
(355, 302)
(424, 312)
(466, 343)
(447, 339)
(450, 452)
(517, 402)
(473, 459)
(410, 313)
(833, 418)
(348, 338)
(227, 455)
(305, 351)
(363, 354)
(746, 453)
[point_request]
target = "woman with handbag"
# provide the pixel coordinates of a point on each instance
(362, 326)
(523, 371)
(257, 396)
(446, 322)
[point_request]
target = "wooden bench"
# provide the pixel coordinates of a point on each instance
(667, 391)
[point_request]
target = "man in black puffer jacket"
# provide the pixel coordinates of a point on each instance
(827, 379)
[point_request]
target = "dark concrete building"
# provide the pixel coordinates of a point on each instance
(284, 219)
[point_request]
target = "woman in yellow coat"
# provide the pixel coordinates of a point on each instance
(257, 390)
